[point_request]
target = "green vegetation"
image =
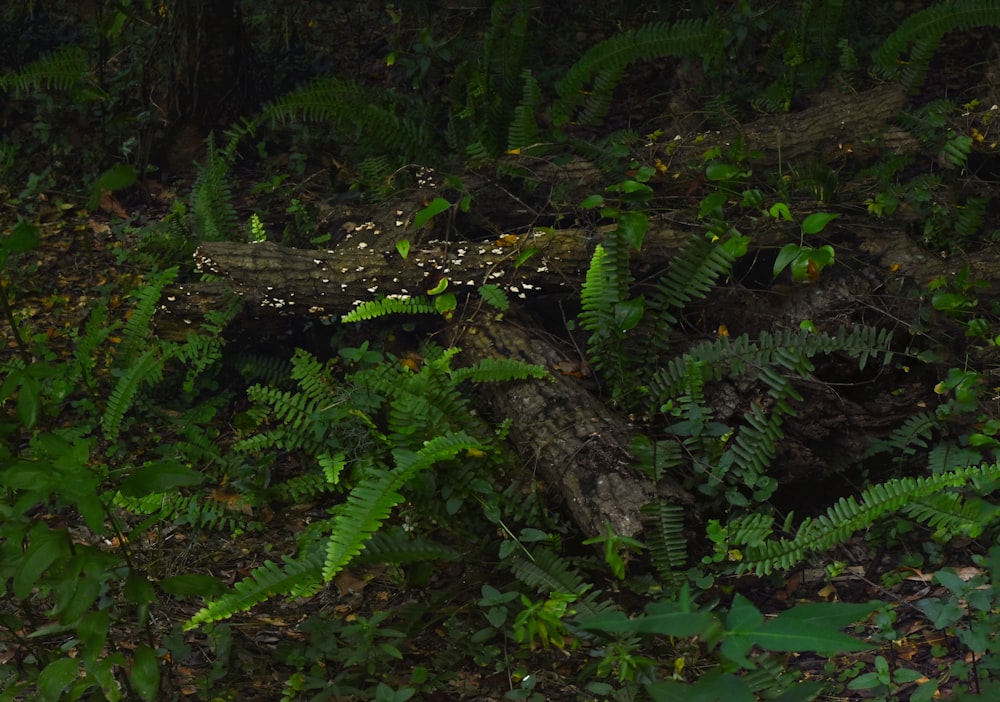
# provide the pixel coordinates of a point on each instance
(171, 499)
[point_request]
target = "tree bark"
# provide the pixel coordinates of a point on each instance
(834, 126)
(579, 447)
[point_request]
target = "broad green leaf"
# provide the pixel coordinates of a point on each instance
(192, 584)
(743, 616)
(715, 686)
(817, 221)
(632, 190)
(403, 247)
(436, 207)
(529, 535)
(138, 589)
(118, 177)
(23, 237)
(823, 256)
(712, 203)
(628, 313)
(632, 227)
(725, 171)
(524, 256)
(439, 288)
(737, 245)
(29, 402)
(803, 692)
(145, 674)
(788, 253)
(160, 476)
(92, 631)
(742, 621)
(92, 510)
(779, 211)
(951, 302)
(56, 677)
(103, 672)
(446, 304)
(72, 606)
(942, 613)
(815, 627)
(45, 548)
(667, 618)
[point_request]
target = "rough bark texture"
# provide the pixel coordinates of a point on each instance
(578, 446)
(331, 282)
(838, 121)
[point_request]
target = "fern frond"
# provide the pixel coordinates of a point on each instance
(147, 369)
(545, 571)
(599, 294)
(395, 546)
(312, 378)
(138, 330)
(495, 296)
(368, 506)
(62, 70)
(969, 218)
(790, 347)
(753, 448)
(197, 510)
(212, 215)
(949, 514)
(498, 370)
(665, 537)
(850, 515)
(296, 577)
(906, 439)
(924, 31)
(604, 64)
(371, 501)
(198, 353)
(373, 309)
(300, 488)
(523, 129)
(691, 275)
(372, 121)
(271, 370)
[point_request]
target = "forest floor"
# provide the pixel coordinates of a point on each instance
(87, 252)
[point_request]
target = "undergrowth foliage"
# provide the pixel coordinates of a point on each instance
(111, 445)
(374, 435)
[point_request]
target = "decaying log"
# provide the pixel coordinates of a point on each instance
(329, 283)
(836, 122)
(577, 445)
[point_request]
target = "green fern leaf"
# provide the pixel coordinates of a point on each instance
(296, 577)
(924, 30)
(147, 369)
(667, 543)
(397, 547)
(849, 515)
(373, 309)
(371, 501)
(63, 70)
(609, 59)
(497, 370)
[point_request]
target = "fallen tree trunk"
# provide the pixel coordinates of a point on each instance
(559, 428)
(826, 131)
(578, 446)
